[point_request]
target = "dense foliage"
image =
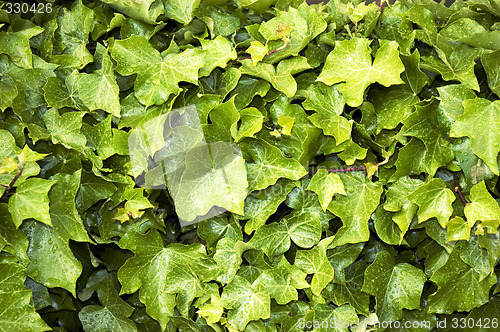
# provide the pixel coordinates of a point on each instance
(369, 141)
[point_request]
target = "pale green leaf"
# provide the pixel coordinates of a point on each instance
(351, 62)
(31, 201)
(326, 185)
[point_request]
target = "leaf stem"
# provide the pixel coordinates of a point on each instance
(380, 12)
(353, 169)
(459, 190)
(285, 43)
(11, 184)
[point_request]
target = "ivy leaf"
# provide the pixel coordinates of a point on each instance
(260, 205)
(355, 208)
(257, 51)
(251, 123)
(8, 91)
(181, 10)
(166, 271)
(214, 176)
(491, 65)
(268, 164)
(395, 286)
(457, 65)
(457, 229)
(305, 24)
(143, 10)
(18, 312)
(449, 298)
(17, 45)
(423, 123)
(246, 302)
(31, 201)
(302, 227)
(219, 53)
(333, 125)
(46, 250)
(326, 185)
(212, 312)
(283, 281)
(280, 77)
(324, 99)
(158, 74)
(349, 292)
(482, 207)
(314, 261)
(350, 62)
(63, 213)
(434, 201)
(396, 103)
(65, 129)
(228, 257)
(480, 123)
(112, 315)
(99, 89)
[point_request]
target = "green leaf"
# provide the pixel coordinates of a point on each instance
(314, 261)
(181, 10)
(219, 52)
(8, 91)
(396, 103)
(480, 123)
(99, 90)
(257, 51)
(491, 65)
(457, 66)
(15, 242)
(212, 312)
(251, 123)
(158, 74)
(448, 297)
(283, 281)
(351, 62)
(260, 205)
(268, 164)
(166, 271)
(423, 123)
(214, 176)
(326, 185)
(482, 207)
(31, 201)
(246, 302)
(72, 36)
(334, 125)
(450, 105)
(349, 292)
(143, 10)
(63, 214)
(305, 23)
(303, 227)
(457, 229)
(280, 77)
(18, 312)
(228, 256)
(324, 99)
(112, 314)
(395, 286)
(355, 208)
(65, 129)
(434, 201)
(46, 250)
(17, 45)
